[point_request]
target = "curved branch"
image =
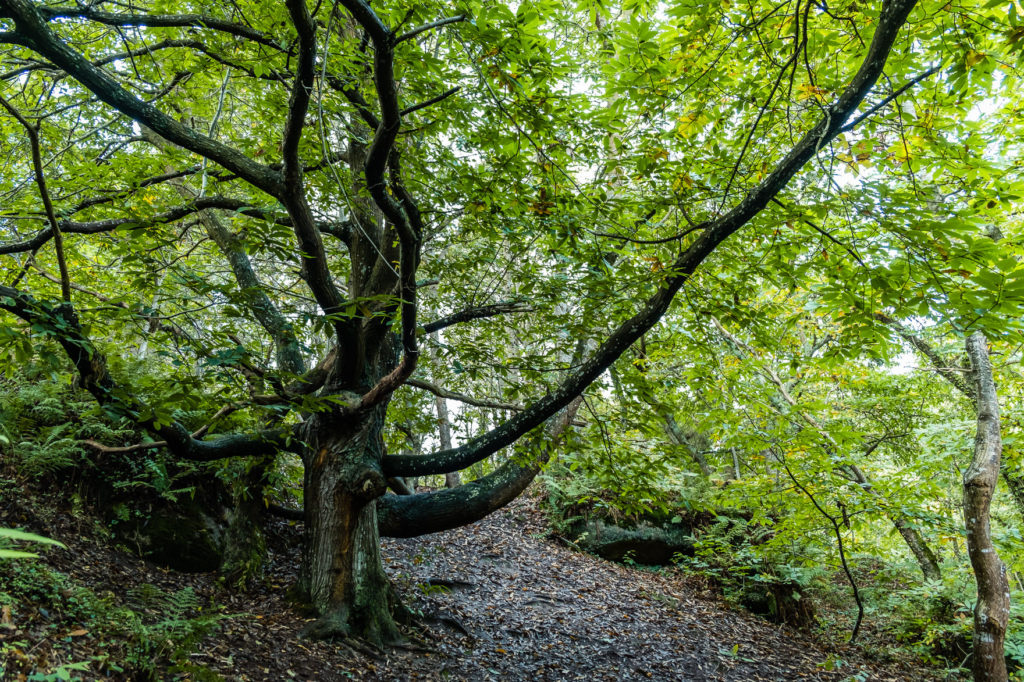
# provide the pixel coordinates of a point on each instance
(33, 33)
(407, 516)
(402, 213)
(61, 323)
(44, 193)
(893, 15)
(311, 246)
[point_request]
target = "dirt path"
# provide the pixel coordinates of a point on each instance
(533, 610)
(497, 603)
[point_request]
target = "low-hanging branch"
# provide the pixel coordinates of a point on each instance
(128, 449)
(835, 522)
(892, 17)
(411, 516)
(61, 322)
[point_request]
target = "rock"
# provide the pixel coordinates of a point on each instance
(184, 537)
(644, 544)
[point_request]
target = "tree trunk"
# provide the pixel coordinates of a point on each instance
(452, 478)
(343, 579)
(992, 610)
(926, 558)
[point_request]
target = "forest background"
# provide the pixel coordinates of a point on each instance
(713, 269)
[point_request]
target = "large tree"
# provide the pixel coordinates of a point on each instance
(277, 205)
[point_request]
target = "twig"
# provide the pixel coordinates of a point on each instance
(839, 540)
(870, 112)
(433, 100)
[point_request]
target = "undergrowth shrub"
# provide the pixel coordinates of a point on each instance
(731, 554)
(147, 633)
(935, 620)
(44, 423)
(577, 489)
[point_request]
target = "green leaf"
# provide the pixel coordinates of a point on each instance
(13, 534)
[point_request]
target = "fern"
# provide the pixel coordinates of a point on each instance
(56, 451)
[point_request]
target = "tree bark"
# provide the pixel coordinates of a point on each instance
(342, 578)
(992, 610)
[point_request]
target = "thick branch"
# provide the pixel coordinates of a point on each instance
(314, 258)
(197, 21)
(402, 213)
(407, 516)
(128, 449)
(168, 216)
(415, 515)
(893, 16)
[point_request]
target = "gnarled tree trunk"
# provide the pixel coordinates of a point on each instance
(342, 577)
(992, 610)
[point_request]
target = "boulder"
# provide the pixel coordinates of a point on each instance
(642, 544)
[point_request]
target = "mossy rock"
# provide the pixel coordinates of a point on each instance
(183, 536)
(643, 544)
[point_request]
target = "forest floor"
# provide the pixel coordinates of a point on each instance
(497, 600)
